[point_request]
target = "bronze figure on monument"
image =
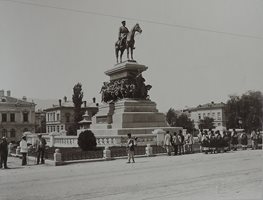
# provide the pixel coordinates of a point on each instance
(126, 41)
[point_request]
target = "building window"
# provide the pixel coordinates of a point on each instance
(12, 117)
(67, 117)
(219, 124)
(208, 114)
(199, 116)
(213, 115)
(4, 133)
(58, 117)
(4, 117)
(61, 127)
(13, 133)
(25, 117)
(57, 128)
(219, 116)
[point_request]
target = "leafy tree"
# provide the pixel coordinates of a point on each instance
(206, 123)
(171, 117)
(77, 100)
(184, 121)
(87, 140)
(245, 111)
(181, 120)
(232, 111)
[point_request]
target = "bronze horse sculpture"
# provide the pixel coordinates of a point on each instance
(127, 44)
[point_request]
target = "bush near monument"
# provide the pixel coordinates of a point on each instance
(87, 140)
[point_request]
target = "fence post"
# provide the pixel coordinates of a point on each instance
(57, 158)
(148, 150)
(107, 153)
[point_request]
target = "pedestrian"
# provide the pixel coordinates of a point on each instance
(181, 142)
(130, 148)
(205, 142)
(243, 139)
(219, 142)
(254, 140)
(3, 153)
(24, 150)
(167, 143)
(259, 138)
(189, 140)
(234, 139)
(175, 143)
(40, 149)
(200, 135)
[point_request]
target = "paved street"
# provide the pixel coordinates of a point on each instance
(235, 175)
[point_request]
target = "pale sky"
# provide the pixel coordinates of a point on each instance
(46, 50)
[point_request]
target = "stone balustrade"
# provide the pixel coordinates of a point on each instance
(56, 140)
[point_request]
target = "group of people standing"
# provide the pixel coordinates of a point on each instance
(39, 147)
(178, 143)
(215, 142)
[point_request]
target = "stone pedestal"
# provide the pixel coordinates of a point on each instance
(128, 115)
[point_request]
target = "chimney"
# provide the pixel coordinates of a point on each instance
(24, 98)
(65, 98)
(94, 100)
(2, 93)
(85, 104)
(8, 93)
(59, 102)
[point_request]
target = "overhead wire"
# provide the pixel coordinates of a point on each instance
(137, 19)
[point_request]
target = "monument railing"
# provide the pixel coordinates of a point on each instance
(55, 140)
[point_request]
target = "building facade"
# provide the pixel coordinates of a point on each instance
(60, 117)
(211, 110)
(16, 116)
(40, 121)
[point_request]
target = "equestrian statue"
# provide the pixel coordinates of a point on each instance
(126, 41)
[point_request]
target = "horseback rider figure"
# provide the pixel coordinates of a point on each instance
(123, 32)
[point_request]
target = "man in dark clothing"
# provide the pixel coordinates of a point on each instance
(40, 148)
(3, 153)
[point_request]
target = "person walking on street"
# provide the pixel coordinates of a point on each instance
(130, 148)
(234, 140)
(200, 136)
(243, 139)
(254, 140)
(23, 150)
(167, 143)
(3, 153)
(189, 140)
(181, 142)
(40, 149)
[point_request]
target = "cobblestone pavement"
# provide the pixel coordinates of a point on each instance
(228, 176)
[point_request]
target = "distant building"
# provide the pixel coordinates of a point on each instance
(212, 110)
(16, 116)
(40, 121)
(61, 117)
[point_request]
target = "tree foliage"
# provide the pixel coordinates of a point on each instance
(87, 140)
(184, 121)
(77, 100)
(181, 120)
(171, 117)
(206, 123)
(245, 111)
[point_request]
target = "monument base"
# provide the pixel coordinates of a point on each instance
(128, 109)
(133, 131)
